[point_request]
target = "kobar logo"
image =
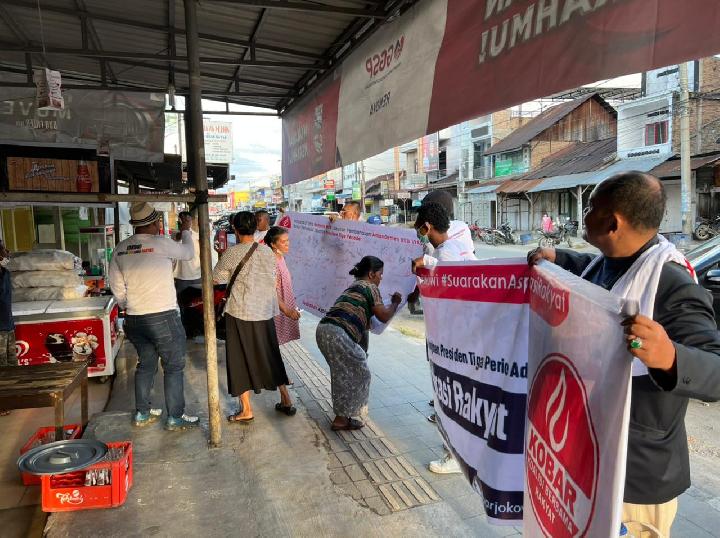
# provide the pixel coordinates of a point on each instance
(561, 450)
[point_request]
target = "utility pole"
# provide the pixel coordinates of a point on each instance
(685, 171)
(362, 186)
(196, 147)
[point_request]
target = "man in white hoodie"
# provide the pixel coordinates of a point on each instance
(141, 278)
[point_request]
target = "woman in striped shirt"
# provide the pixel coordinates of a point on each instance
(342, 338)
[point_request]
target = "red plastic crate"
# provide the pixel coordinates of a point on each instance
(68, 492)
(33, 479)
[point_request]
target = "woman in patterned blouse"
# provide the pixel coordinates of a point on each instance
(342, 338)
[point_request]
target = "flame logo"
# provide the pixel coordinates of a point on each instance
(559, 393)
(21, 348)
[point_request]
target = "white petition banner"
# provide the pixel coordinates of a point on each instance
(496, 330)
(322, 254)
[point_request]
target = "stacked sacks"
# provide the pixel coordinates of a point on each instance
(45, 275)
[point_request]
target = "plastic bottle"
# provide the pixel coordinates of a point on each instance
(83, 181)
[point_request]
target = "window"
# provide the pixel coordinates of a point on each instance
(565, 209)
(481, 163)
(656, 133)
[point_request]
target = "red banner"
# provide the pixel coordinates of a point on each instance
(483, 56)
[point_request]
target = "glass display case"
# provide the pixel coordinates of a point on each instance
(96, 247)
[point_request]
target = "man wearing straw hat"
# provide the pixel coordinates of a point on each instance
(141, 278)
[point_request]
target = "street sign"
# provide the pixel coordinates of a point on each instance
(403, 196)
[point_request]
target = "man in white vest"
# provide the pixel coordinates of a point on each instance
(674, 338)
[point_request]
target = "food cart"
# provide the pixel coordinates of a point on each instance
(66, 331)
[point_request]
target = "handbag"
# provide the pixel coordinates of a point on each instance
(220, 315)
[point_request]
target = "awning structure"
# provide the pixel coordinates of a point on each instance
(486, 188)
(514, 186)
(597, 176)
(671, 167)
(262, 53)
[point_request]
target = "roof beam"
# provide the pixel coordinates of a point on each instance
(251, 49)
(151, 89)
(150, 56)
(89, 31)
(307, 6)
(26, 4)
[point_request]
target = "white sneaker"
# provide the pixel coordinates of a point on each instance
(447, 465)
(156, 412)
(190, 418)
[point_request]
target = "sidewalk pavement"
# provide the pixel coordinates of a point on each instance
(293, 476)
(287, 476)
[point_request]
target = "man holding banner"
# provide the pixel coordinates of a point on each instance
(673, 337)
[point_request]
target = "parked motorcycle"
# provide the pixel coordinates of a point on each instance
(478, 233)
(502, 235)
(563, 233)
(706, 228)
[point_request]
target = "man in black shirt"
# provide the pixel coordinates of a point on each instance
(678, 344)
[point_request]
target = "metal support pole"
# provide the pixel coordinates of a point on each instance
(685, 171)
(199, 174)
(579, 201)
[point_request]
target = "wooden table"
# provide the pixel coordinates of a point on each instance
(46, 385)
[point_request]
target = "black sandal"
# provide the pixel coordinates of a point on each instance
(236, 418)
(352, 424)
(289, 410)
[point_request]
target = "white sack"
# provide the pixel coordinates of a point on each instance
(43, 279)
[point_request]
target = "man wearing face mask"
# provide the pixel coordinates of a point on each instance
(433, 222)
(8, 356)
(141, 278)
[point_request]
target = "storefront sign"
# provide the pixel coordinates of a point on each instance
(131, 124)
(447, 61)
(218, 141)
(52, 175)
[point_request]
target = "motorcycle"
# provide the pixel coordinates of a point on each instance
(706, 229)
(477, 233)
(500, 236)
(563, 233)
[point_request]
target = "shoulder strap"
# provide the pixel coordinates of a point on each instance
(242, 263)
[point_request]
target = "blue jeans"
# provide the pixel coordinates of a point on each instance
(158, 335)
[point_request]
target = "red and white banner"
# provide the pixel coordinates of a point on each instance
(446, 61)
(532, 392)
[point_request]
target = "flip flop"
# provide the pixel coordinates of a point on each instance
(289, 410)
(236, 418)
(352, 424)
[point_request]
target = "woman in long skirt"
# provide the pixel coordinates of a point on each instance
(252, 350)
(342, 338)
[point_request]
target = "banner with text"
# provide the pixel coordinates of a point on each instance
(446, 61)
(323, 252)
(491, 326)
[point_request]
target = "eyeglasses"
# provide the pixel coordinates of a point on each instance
(587, 210)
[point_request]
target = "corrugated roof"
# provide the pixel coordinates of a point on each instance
(671, 168)
(485, 188)
(580, 157)
(131, 42)
(518, 185)
(597, 176)
(540, 123)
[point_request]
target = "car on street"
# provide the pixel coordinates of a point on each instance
(705, 259)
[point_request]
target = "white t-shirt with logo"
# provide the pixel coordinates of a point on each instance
(141, 272)
(190, 269)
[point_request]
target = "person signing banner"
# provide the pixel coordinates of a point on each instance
(674, 338)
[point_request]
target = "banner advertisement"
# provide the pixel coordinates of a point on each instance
(431, 153)
(446, 61)
(314, 240)
(531, 401)
(130, 124)
(218, 141)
